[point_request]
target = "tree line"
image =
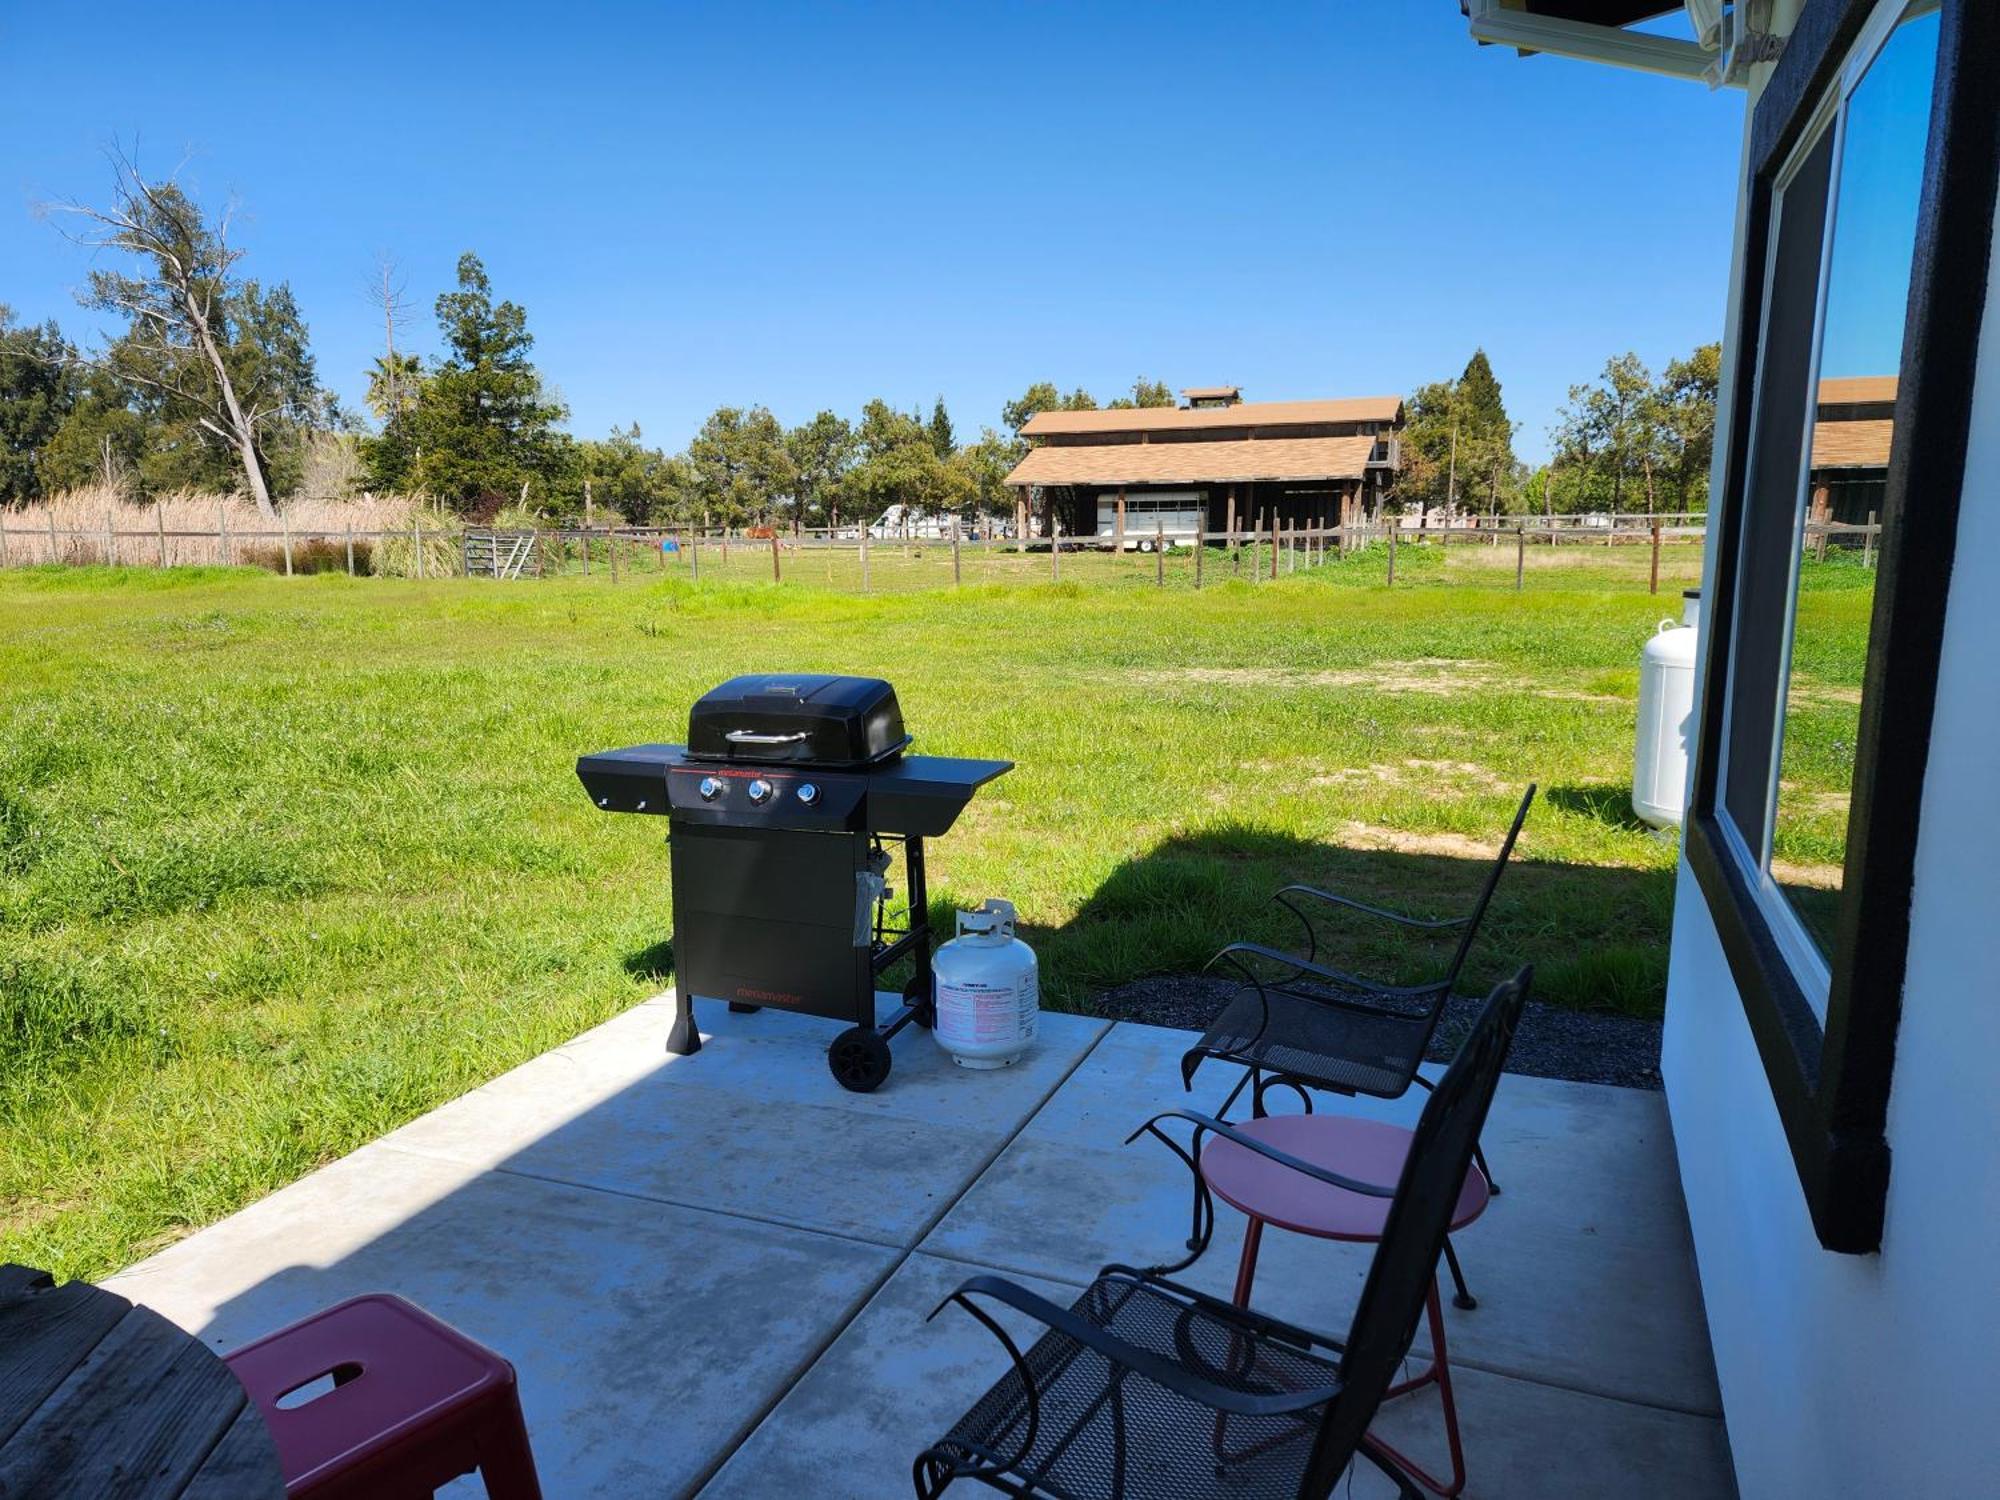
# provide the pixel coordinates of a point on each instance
(211, 384)
(1627, 440)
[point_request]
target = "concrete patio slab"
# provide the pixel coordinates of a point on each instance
(1583, 1265)
(712, 1272)
(752, 1124)
(891, 1383)
(620, 1314)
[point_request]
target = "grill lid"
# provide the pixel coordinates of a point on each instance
(800, 718)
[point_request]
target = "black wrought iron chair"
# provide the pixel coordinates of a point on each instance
(1297, 1023)
(1127, 1394)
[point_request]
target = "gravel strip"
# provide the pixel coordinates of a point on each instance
(1552, 1042)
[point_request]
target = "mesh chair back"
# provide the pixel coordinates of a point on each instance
(1486, 891)
(1385, 1321)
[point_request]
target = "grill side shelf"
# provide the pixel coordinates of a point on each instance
(922, 795)
(633, 780)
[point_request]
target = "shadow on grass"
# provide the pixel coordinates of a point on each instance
(1603, 802)
(1597, 935)
(654, 962)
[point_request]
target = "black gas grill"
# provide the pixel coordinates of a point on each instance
(786, 807)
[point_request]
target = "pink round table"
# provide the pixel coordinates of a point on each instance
(1268, 1192)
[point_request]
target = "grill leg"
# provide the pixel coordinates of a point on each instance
(683, 1038)
(920, 921)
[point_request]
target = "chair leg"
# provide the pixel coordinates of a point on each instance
(1439, 1374)
(1462, 1298)
(1479, 1156)
(506, 1462)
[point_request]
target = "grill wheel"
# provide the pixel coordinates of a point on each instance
(859, 1059)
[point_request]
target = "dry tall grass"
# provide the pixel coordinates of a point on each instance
(97, 525)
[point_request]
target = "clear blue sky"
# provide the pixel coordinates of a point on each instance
(808, 206)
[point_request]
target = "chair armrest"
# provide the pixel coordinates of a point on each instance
(1210, 1125)
(1162, 1372)
(1255, 1322)
(1304, 966)
(1334, 899)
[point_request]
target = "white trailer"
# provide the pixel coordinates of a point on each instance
(1176, 515)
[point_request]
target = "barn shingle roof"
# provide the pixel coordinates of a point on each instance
(1230, 462)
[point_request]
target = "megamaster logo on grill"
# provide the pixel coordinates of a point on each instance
(767, 997)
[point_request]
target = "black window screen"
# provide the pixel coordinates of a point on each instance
(1770, 509)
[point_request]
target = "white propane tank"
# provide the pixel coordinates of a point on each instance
(1666, 717)
(988, 990)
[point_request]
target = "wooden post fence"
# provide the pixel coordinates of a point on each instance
(611, 551)
(1868, 543)
(1200, 545)
(350, 547)
(1160, 552)
(286, 523)
(864, 559)
(110, 542)
(956, 577)
(417, 540)
(1394, 527)
(776, 577)
(1274, 544)
(221, 534)
(1654, 585)
(1055, 545)
(160, 526)
(1520, 553)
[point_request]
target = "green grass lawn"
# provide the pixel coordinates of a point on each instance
(286, 862)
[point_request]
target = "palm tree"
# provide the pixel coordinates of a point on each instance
(393, 383)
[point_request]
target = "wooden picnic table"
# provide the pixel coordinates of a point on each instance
(104, 1399)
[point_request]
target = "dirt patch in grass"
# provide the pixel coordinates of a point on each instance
(1428, 674)
(1452, 845)
(1819, 877)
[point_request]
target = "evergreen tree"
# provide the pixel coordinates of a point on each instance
(37, 391)
(943, 442)
(1458, 444)
(483, 422)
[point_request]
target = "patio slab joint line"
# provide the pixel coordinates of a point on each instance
(861, 1303)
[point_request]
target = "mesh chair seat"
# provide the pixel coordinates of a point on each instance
(1104, 1431)
(1319, 1043)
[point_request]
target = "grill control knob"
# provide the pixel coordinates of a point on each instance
(808, 794)
(710, 788)
(759, 792)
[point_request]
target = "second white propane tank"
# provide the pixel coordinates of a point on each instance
(988, 990)
(1666, 717)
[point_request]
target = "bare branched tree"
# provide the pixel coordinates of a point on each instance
(392, 383)
(175, 298)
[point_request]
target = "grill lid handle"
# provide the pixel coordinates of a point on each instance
(752, 737)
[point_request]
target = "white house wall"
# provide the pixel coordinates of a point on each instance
(1871, 1376)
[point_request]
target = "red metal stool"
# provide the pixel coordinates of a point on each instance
(413, 1405)
(1270, 1193)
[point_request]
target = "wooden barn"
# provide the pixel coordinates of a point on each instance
(1126, 477)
